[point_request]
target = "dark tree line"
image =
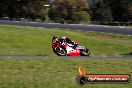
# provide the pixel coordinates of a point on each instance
(111, 10)
(75, 10)
(22, 8)
(121, 9)
(101, 11)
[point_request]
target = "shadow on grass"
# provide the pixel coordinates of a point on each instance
(128, 53)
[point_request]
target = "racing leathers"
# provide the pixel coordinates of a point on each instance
(65, 40)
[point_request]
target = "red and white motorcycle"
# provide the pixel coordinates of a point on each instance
(69, 49)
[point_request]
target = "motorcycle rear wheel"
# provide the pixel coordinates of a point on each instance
(60, 51)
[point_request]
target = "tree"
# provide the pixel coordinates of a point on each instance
(101, 11)
(122, 10)
(81, 16)
(22, 8)
(33, 9)
(7, 8)
(1, 9)
(69, 10)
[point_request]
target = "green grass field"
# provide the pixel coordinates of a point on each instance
(21, 40)
(59, 72)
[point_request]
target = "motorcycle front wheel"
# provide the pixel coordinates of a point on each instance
(85, 52)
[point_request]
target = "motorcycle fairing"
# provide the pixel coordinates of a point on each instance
(72, 52)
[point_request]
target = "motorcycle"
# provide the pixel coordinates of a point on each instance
(66, 49)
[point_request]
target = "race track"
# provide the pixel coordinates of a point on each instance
(65, 57)
(96, 28)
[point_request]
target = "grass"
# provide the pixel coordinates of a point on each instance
(20, 40)
(58, 72)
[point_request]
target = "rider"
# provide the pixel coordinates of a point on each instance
(55, 39)
(65, 39)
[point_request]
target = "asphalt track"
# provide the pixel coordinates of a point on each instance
(65, 57)
(95, 28)
(107, 29)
